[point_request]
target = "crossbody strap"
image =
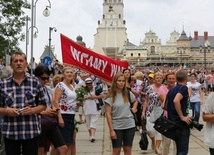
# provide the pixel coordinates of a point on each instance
(166, 99)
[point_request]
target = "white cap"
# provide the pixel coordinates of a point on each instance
(88, 80)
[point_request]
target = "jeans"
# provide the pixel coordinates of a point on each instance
(211, 151)
(182, 143)
(195, 110)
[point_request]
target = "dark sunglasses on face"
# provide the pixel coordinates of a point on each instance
(44, 78)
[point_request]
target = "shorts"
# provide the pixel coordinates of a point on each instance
(53, 135)
(125, 137)
(68, 130)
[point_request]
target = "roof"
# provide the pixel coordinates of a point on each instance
(201, 41)
(46, 53)
(79, 41)
(183, 36)
(130, 44)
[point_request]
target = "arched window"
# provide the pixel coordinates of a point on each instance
(152, 48)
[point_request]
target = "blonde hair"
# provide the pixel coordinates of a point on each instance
(65, 68)
(133, 78)
(158, 74)
(57, 78)
(138, 74)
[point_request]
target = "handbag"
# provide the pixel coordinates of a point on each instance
(98, 106)
(143, 143)
(48, 122)
(167, 127)
(131, 104)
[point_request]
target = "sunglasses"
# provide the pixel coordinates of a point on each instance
(44, 78)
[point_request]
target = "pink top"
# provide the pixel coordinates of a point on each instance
(163, 90)
(211, 78)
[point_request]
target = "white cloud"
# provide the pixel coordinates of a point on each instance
(79, 17)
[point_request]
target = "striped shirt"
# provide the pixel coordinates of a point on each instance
(13, 95)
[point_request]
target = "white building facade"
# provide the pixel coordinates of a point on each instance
(111, 35)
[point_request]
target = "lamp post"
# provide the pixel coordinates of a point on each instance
(206, 49)
(181, 52)
(50, 30)
(33, 23)
(27, 36)
(162, 59)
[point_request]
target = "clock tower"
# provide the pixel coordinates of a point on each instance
(111, 35)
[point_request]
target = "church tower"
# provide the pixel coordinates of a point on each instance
(111, 35)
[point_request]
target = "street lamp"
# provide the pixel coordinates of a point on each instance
(206, 48)
(50, 30)
(162, 59)
(181, 52)
(27, 35)
(33, 23)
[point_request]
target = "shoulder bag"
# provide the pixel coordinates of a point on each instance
(167, 127)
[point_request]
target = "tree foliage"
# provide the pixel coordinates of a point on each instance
(12, 19)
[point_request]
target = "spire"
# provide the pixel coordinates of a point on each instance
(183, 36)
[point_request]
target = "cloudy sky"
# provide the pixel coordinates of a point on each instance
(79, 17)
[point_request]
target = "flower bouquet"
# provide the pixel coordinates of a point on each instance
(81, 92)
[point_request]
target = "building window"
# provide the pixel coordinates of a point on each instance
(131, 54)
(139, 54)
(152, 49)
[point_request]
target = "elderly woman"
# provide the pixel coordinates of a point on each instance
(152, 99)
(170, 83)
(66, 101)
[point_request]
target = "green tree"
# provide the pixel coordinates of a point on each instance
(12, 19)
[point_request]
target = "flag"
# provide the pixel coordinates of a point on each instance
(85, 59)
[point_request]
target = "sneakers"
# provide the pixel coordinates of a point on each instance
(92, 139)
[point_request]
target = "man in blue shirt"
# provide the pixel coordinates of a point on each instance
(21, 101)
(177, 111)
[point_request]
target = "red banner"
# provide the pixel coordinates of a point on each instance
(89, 61)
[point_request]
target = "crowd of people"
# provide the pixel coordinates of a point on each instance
(38, 111)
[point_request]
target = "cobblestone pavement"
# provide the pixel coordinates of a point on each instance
(102, 145)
